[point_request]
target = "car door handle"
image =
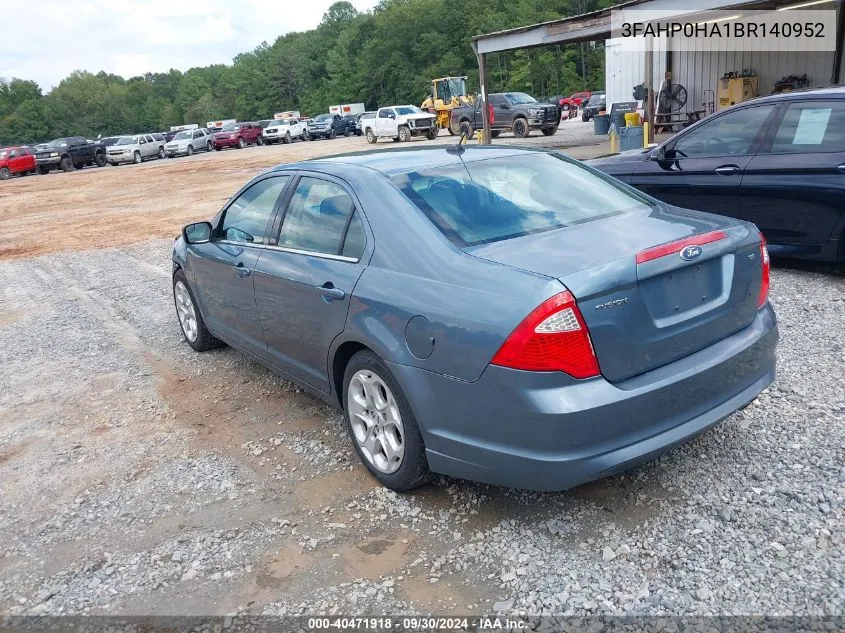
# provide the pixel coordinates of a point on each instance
(841, 168)
(242, 270)
(727, 170)
(330, 292)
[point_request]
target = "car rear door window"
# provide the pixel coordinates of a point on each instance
(245, 220)
(317, 217)
(732, 134)
(811, 126)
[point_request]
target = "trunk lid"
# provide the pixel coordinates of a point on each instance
(646, 307)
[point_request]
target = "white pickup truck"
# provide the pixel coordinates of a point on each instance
(400, 123)
(285, 130)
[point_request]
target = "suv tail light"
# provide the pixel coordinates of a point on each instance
(553, 337)
(766, 265)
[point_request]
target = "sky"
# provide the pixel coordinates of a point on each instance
(46, 40)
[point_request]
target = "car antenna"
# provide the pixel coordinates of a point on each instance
(459, 147)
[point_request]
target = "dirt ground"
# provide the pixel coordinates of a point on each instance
(139, 477)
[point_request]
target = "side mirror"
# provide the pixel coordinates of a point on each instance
(197, 233)
(659, 154)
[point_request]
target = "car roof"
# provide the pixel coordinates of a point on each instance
(400, 161)
(836, 92)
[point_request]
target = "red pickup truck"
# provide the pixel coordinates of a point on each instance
(16, 160)
(238, 135)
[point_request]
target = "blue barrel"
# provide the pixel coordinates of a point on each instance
(630, 138)
(601, 124)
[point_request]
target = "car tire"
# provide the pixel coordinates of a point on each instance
(100, 159)
(136, 158)
(585, 118)
(66, 164)
(287, 140)
(332, 134)
(495, 133)
(208, 146)
(303, 137)
(431, 134)
(240, 143)
(549, 131)
(190, 320)
(394, 420)
(372, 139)
(5, 173)
(466, 130)
(160, 153)
(454, 130)
(404, 134)
(189, 151)
(259, 140)
(43, 170)
(521, 128)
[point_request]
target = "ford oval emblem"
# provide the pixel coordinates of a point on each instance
(690, 253)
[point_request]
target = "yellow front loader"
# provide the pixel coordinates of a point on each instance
(447, 93)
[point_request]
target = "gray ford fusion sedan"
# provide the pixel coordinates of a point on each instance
(499, 314)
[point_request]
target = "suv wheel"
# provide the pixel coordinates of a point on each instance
(100, 159)
(260, 140)
(520, 128)
(161, 152)
(240, 143)
(189, 151)
(404, 134)
(5, 173)
(333, 133)
(66, 164)
(43, 170)
(287, 139)
(208, 146)
(136, 157)
(549, 131)
(371, 138)
(381, 424)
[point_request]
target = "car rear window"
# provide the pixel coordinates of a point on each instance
(502, 198)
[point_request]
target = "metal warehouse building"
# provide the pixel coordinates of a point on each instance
(677, 58)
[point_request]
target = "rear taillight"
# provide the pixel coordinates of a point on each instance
(553, 337)
(766, 266)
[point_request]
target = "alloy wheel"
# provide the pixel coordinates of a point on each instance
(376, 421)
(185, 310)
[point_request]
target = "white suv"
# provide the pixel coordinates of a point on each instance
(400, 123)
(189, 141)
(285, 130)
(134, 149)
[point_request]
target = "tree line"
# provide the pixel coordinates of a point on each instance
(385, 56)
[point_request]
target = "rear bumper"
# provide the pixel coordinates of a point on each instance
(546, 431)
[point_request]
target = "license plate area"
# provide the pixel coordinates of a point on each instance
(684, 293)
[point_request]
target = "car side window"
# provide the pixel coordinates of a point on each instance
(732, 134)
(811, 126)
(245, 220)
(316, 217)
(13, 154)
(383, 114)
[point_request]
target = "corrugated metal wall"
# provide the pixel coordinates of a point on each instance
(698, 71)
(624, 69)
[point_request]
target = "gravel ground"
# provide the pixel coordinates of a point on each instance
(139, 477)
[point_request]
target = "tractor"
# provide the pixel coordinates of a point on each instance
(447, 93)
